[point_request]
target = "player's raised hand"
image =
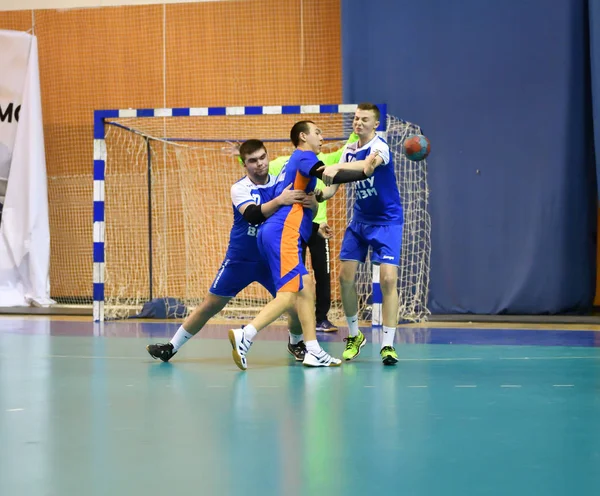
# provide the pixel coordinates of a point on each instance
(371, 163)
(232, 149)
(290, 196)
(325, 231)
(328, 174)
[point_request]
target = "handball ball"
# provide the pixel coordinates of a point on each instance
(416, 147)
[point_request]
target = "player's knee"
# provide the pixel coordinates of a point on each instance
(308, 281)
(287, 298)
(346, 277)
(212, 304)
(388, 282)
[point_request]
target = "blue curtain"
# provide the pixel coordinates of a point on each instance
(502, 89)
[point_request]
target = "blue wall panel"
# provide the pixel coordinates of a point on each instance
(503, 88)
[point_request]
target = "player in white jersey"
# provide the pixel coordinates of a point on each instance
(377, 221)
(253, 202)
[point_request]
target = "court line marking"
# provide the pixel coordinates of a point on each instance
(563, 385)
(418, 386)
(463, 359)
(553, 358)
(15, 410)
(465, 386)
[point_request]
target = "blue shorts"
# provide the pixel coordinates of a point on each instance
(386, 242)
(234, 276)
(281, 247)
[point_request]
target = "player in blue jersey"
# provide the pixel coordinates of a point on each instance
(253, 199)
(377, 221)
(280, 241)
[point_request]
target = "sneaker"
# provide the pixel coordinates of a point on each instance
(326, 326)
(353, 346)
(297, 350)
(320, 359)
(389, 355)
(240, 346)
(164, 351)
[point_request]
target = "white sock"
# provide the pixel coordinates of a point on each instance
(352, 325)
(313, 346)
(181, 337)
(295, 338)
(250, 331)
(388, 336)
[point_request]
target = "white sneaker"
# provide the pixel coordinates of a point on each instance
(320, 359)
(240, 346)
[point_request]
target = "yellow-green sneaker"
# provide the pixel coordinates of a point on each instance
(353, 346)
(389, 355)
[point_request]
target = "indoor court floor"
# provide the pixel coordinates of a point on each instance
(486, 410)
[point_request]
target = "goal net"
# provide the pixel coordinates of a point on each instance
(163, 212)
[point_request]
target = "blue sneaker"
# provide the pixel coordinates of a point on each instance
(326, 326)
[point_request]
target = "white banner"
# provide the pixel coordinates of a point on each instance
(24, 229)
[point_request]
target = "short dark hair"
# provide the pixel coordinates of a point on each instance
(372, 107)
(250, 146)
(297, 129)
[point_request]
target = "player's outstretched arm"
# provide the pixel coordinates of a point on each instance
(368, 166)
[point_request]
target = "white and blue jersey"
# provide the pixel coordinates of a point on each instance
(377, 218)
(243, 262)
(377, 200)
(242, 239)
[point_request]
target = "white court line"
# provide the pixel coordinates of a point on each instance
(439, 359)
(553, 358)
(418, 386)
(369, 386)
(15, 409)
(563, 385)
(85, 357)
(465, 386)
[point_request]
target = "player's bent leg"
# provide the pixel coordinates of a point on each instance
(347, 277)
(296, 346)
(305, 306)
(210, 306)
(356, 339)
(389, 289)
(388, 280)
(241, 339)
(282, 303)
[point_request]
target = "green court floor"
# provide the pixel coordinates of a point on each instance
(84, 415)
